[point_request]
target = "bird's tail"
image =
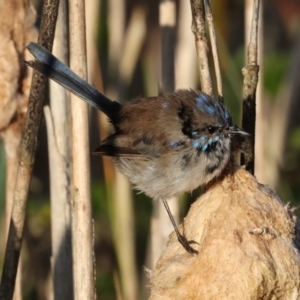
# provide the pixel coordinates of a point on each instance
(50, 66)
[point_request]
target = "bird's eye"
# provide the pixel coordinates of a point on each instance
(211, 130)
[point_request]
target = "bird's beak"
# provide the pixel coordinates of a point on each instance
(236, 131)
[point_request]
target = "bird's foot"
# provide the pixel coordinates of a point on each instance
(187, 244)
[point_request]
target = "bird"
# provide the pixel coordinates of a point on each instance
(165, 145)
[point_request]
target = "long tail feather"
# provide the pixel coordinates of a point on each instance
(50, 66)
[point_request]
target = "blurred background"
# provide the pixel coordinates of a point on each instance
(125, 62)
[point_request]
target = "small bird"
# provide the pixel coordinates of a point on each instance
(165, 145)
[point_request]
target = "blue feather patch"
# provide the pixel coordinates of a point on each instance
(205, 103)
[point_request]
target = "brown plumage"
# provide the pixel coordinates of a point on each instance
(165, 145)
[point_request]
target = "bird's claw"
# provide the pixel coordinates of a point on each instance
(186, 244)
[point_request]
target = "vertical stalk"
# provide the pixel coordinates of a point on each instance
(58, 131)
(82, 240)
(198, 29)
(250, 73)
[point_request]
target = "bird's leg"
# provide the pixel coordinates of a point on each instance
(181, 237)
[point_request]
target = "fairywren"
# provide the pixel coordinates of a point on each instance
(165, 145)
